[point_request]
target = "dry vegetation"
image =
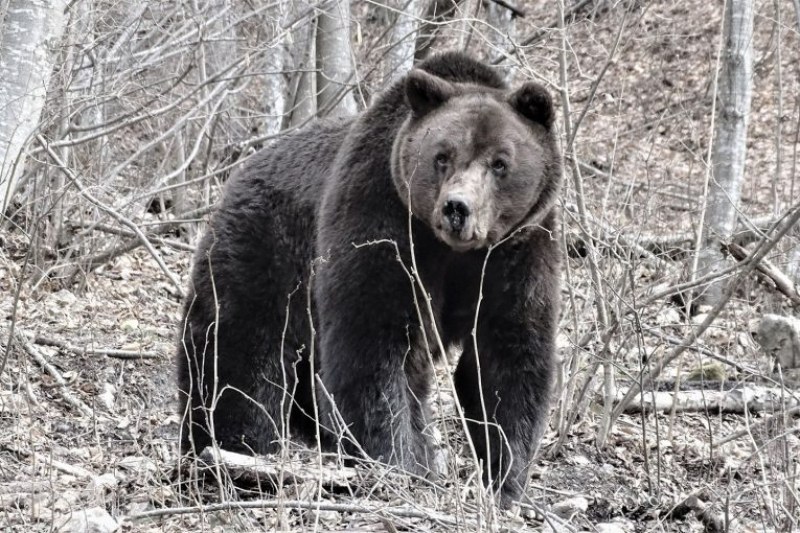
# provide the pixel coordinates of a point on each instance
(138, 113)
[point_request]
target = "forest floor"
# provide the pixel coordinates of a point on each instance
(88, 420)
(84, 430)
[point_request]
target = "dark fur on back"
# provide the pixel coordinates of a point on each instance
(317, 219)
(457, 67)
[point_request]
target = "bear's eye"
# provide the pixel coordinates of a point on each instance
(441, 160)
(499, 167)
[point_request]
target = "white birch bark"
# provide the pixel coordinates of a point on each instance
(274, 90)
(29, 30)
(730, 138)
(277, 60)
(403, 38)
(304, 100)
(334, 60)
(301, 57)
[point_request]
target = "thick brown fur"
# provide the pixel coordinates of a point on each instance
(478, 167)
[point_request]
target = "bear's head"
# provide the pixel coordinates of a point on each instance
(476, 163)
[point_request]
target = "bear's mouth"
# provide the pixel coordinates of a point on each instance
(460, 241)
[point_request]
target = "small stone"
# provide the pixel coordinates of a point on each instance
(64, 298)
(106, 481)
(12, 403)
(107, 397)
(328, 518)
(578, 460)
(779, 337)
(613, 527)
(129, 325)
(101, 485)
(669, 316)
(707, 372)
(441, 460)
(91, 520)
(570, 507)
(63, 427)
(139, 507)
(163, 494)
(138, 463)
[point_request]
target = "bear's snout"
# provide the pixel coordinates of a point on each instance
(455, 212)
(458, 221)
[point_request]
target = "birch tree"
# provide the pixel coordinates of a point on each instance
(334, 60)
(400, 58)
(730, 138)
(303, 98)
(275, 90)
(28, 32)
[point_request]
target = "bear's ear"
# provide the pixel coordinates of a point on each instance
(533, 102)
(425, 92)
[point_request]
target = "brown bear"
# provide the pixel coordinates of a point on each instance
(309, 282)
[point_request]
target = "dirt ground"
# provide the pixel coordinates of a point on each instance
(120, 455)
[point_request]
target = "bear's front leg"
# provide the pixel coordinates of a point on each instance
(379, 389)
(505, 388)
(510, 406)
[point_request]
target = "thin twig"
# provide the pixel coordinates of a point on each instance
(767, 271)
(42, 361)
(596, 83)
(514, 9)
(540, 33)
(761, 423)
(125, 221)
(583, 216)
(388, 511)
(767, 244)
(110, 352)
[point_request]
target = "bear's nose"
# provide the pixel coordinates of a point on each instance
(456, 213)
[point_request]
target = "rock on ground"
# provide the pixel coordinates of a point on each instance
(779, 336)
(91, 520)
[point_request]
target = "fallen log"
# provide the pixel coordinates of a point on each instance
(750, 398)
(279, 471)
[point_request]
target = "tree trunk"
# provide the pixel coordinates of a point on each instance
(501, 34)
(30, 28)
(334, 61)
(274, 96)
(730, 137)
(302, 59)
(403, 39)
(749, 398)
